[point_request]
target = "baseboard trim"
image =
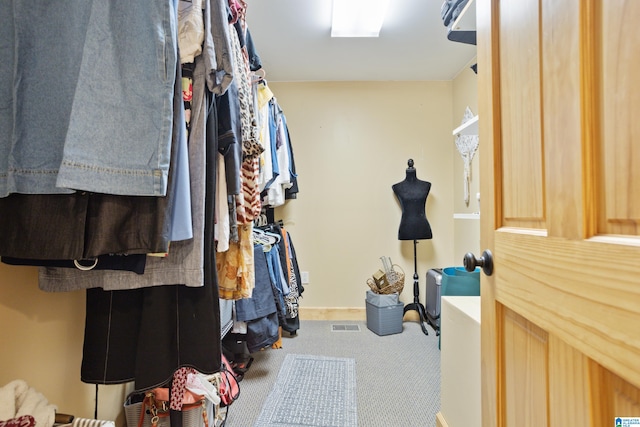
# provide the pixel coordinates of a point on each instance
(344, 313)
(332, 313)
(440, 421)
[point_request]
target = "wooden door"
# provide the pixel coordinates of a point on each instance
(559, 112)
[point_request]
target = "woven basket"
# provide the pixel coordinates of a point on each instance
(395, 280)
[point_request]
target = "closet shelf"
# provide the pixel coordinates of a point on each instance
(470, 127)
(466, 20)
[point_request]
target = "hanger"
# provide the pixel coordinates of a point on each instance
(274, 236)
(264, 238)
(258, 75)
(261, 220)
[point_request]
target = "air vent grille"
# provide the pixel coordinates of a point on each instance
(345, 328)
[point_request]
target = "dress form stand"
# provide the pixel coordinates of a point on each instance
(412, 194)
(416, 304)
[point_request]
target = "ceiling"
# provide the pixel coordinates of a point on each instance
(292, 38)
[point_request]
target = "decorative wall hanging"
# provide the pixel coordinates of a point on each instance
(467, 146)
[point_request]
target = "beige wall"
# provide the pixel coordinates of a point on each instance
(41, 336)
(351, 143)
(466, 231)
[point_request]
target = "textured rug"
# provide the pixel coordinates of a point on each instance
(312, 391)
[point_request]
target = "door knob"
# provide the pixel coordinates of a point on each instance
(485, 261)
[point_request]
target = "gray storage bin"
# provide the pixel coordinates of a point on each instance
(382, 300)
(385, 320)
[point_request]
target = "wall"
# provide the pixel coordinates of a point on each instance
(351, 143)
(466, 231)
(41, 336)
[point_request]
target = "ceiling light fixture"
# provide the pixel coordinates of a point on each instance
(358, 18)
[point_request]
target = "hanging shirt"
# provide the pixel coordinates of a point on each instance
(264, 95)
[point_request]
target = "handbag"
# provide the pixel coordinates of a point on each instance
(153, 410)
(226, 381)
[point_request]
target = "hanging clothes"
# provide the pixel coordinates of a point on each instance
(229, 130)
(222, 220)
(255, 63)
(147, 351)
(284, 275)
(184, 264)
(278, 278)
(83, 225)
(125, 338)
(267, 133)
(278, 178)
(72, 129)
(275, 192)
(134, 262)
(190, 29)
(235, 266)
(248, 204)
(229, 137)
(259, 311)
(236, 277)
(216, 51)
(292, 191)
(289, 260)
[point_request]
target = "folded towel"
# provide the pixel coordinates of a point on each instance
(23, 421)
(18, 399)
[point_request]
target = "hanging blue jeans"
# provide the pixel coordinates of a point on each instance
(86, 91)
(277, 275)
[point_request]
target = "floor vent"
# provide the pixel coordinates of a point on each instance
(345, 328)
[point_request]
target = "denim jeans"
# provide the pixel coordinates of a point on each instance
(89, 105)
(261, 302)
(41, 47)
(83, 225)
(184, 265)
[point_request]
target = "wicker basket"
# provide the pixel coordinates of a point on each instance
(395, 280)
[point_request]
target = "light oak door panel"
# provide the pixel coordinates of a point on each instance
(525, 371)
(620, 94)
(560, 180)
(522, 167)
(613, 396)
(568, 376)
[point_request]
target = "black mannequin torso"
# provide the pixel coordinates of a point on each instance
(412, 194)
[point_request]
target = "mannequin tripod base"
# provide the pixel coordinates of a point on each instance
(418, 307)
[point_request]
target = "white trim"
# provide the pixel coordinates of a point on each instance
(474, 215)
